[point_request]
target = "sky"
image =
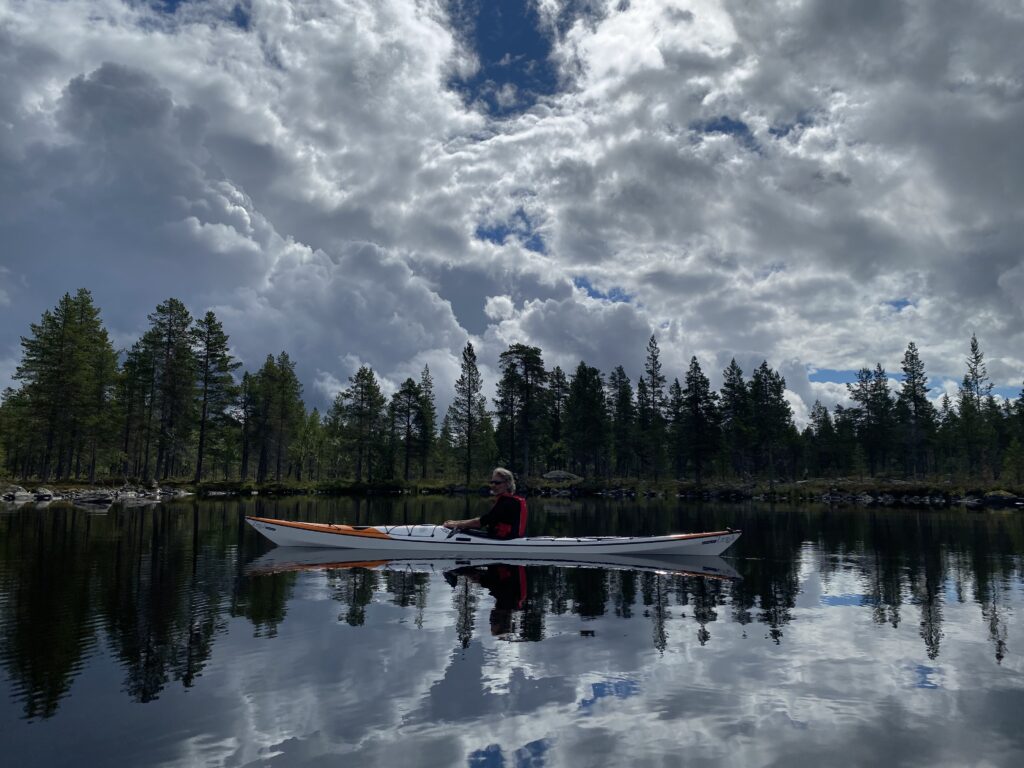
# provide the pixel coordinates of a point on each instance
(814, 183)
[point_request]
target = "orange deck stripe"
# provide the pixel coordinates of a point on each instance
(698, 535)
(343, 530)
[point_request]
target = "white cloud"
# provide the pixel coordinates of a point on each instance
(499, 307)
(808, 183)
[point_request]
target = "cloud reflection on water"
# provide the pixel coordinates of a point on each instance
(606, 667)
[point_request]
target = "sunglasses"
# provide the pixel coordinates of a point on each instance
(496, 482)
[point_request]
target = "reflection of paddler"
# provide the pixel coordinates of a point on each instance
(506, 584)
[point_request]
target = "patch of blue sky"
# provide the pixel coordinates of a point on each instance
(613, 294)
(900, 304)
(618, 689)
(1007, 393)
(519, 226)
(241, 15)
(513, 51)
(731, 127)
(847, 600)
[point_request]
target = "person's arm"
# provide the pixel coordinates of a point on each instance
(462, 524)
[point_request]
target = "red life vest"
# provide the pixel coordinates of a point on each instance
(511, 529)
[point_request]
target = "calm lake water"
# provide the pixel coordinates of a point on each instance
(163, 636)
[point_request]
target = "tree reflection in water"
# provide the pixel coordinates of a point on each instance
(155, 588)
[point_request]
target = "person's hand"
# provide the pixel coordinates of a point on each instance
(450, 524)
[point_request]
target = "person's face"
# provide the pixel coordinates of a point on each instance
(498, 485)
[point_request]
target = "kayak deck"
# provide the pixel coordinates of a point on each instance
(423, 538)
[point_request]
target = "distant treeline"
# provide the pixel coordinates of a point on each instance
(174, 407)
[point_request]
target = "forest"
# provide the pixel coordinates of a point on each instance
(176, 406)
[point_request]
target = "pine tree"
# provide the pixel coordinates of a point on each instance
(772, 416)
(823, 440)
(246, 415)
(947, 436)
(406, 404)
(557, 394)
(363, 419)
(875, 415)
(520, 402)
(426, 420)
(307, 447)
(737, 426)
(975, 389)
(216, 382)
(675, 415)
(623, 418)
(288, 411)
(170, 345)
(67, 370)
(586, 424)
(915, 415)
(700, 409)
(653, 420)
(467, 411)
(136, 387)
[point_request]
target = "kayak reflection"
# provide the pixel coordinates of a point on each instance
(524, 592)
(284, 559)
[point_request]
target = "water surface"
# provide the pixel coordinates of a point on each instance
(154, 636)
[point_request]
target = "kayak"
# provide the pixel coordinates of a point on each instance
(436, 538)
(290, 559)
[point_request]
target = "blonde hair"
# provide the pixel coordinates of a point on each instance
(507, 476)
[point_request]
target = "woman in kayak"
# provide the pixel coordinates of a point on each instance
(507, 518)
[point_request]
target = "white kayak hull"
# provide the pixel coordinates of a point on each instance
(434, 538)
(288, 559)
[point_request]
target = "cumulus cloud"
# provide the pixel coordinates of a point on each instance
(815, 184)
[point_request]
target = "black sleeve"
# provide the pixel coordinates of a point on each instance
(504, 510)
